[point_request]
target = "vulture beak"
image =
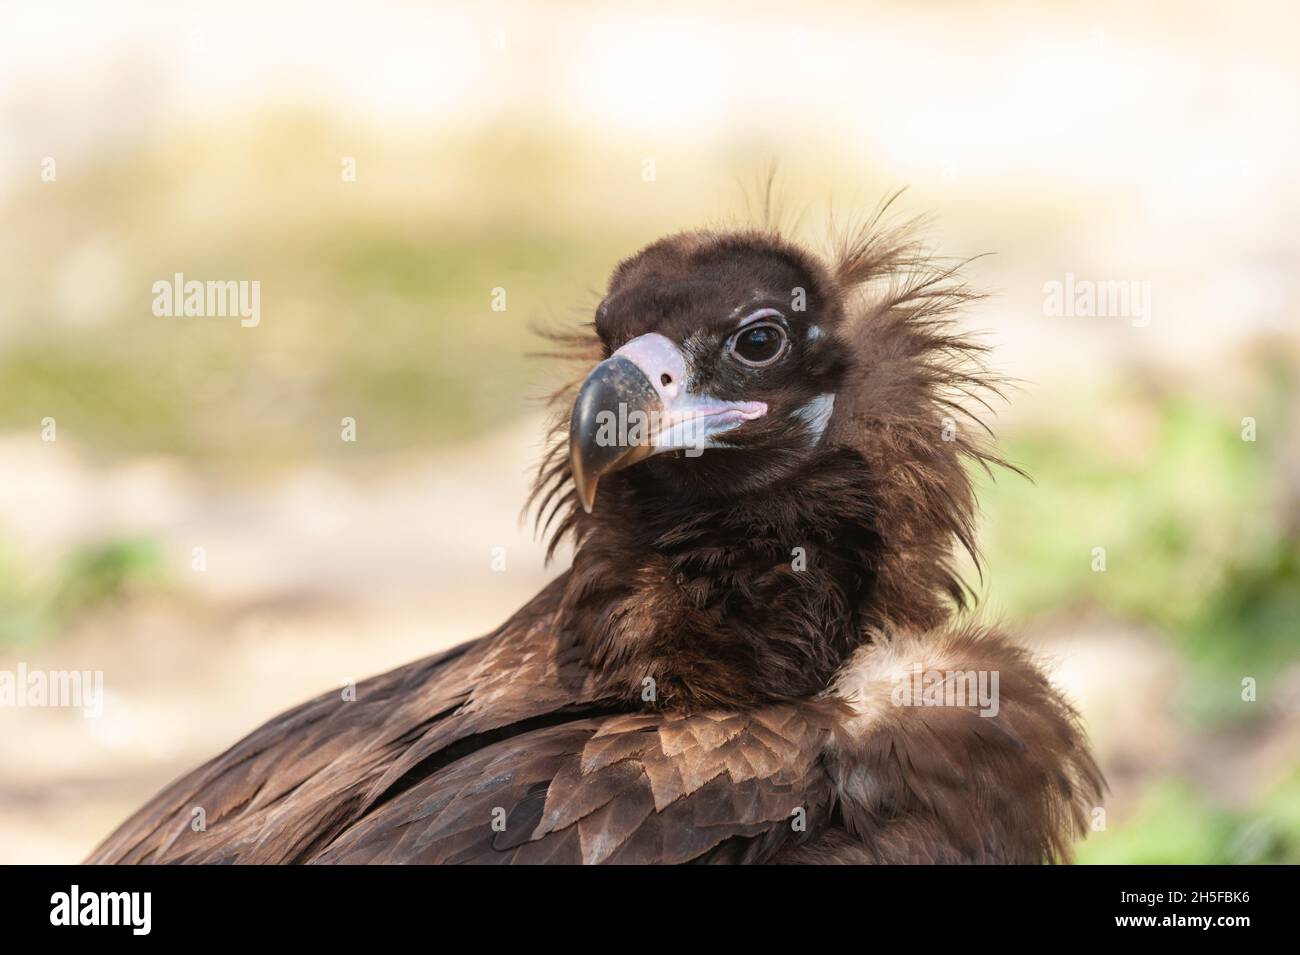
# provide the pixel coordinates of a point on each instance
(636, 404)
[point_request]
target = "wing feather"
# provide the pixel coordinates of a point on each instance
(610, 789)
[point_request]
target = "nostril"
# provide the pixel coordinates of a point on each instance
(666, 379)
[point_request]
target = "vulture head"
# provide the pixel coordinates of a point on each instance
(763, 462)
(714, 342)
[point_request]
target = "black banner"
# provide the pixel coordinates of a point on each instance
(335, 905)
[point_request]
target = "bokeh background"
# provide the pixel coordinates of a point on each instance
(530, 146)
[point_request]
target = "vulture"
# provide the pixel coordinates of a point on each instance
(763, 650)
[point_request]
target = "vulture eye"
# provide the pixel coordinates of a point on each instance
(759, 344)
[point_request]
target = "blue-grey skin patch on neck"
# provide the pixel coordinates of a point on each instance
(817, 415)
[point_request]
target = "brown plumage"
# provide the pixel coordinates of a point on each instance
(715, 679)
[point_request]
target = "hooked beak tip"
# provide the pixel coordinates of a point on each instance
(585, 487)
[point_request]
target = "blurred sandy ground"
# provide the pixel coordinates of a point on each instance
(506, 145)
(316, 578)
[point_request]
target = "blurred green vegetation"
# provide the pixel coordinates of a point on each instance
(1175, 825)
(1202, 547)
(34, 606)
(1192, 519)
(383, 337)
(376, 296)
